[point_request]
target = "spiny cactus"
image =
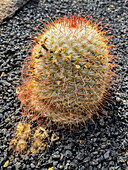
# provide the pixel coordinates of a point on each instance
(66, 77)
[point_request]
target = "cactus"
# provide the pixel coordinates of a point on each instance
(67, 75)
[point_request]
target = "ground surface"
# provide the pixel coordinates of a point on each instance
(103, 146)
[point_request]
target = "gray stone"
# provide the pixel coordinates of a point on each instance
(1, 116)
(68, 154)
(106, 155)
(9, 7)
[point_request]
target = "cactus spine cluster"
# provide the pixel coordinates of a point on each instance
(66, 77)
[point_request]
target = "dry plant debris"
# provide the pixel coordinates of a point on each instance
(26, 141)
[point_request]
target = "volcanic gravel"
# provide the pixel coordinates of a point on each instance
(103, 145)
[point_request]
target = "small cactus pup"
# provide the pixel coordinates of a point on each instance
(68, 73)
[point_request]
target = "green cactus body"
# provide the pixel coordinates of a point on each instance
(68, 71)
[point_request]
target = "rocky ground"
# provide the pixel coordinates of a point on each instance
(99, 146)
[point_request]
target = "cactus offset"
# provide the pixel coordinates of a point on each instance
(66, 77)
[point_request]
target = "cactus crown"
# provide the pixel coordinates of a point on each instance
(68, 72)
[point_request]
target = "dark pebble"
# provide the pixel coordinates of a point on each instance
(68, 154)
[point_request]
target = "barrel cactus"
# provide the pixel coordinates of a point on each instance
(66, 77)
